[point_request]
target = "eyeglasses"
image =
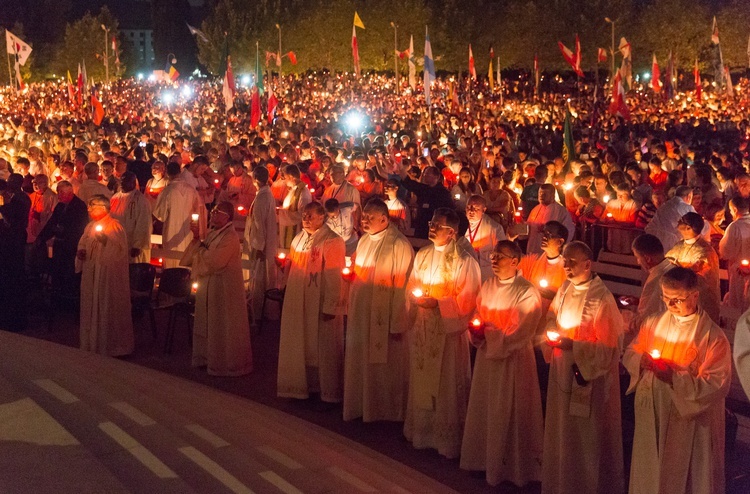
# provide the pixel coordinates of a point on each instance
(435, 226)
(673, 302)
(496, 256)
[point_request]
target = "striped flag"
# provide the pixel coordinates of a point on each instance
(355, 50)
(412, 65)
(656, 84)
(472, 69)
(573, 59)
(429, 67)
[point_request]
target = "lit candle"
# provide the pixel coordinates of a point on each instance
(568, 186)
(609, 215)
(457, 196)
(240, 209)
(195, 217)
(745, 263)
(195, 287)
(216, 181)
(605, 198)
(476, 324)
(655, 354)
(553, 336)
(520, 208)
(348, 261)
(312, 191)
(99, 228)
(417, 292)
(543, 283)
(281, 256)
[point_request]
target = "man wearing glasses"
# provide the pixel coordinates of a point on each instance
(442, 292)
(483, 233)
(582, 433)
(680, 369)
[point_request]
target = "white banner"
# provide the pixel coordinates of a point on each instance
(16, 46)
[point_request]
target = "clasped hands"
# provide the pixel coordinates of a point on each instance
(662, 369)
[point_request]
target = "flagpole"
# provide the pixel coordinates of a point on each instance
(10, 72)
(499, 80)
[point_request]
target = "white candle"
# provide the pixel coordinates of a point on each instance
(195, 287)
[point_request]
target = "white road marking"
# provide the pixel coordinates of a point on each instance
(139, 451)
(351, 479)
(25, 421)
(132, 413)
(282, 484)
(207, 435)
(213, 468)
(56, 390)
(279, 457)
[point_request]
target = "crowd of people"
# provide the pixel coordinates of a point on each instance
(400, 237)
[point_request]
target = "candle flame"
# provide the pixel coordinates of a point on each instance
(655, 354)
(195, 216)
(282, 255)
(553, 335)
(417, 292)
(346, 271)
(745, 262)
(457, 196)
(99, 228)
(605, 198)
(543, 283)
(476, 322)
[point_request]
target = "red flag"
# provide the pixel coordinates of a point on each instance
(114, 50)
(292, 57)
(574, 59)
(655, 76)
(272, 104)
(536, 75)
(618, 105)
(97, 109)
(601, 55)
(472, 69)
(698, 84)
(355, 51)
(255, 109)
(80, 85)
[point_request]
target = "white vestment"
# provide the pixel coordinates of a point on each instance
(664, 223)
(440, 369)
(261, 236)
(698, 255)
(376, 358)
(540, 215)
(221, 333)
(742, 351)
(311, 350)
(131, 209)
(734, 247)
(106, 325)
(483, 236)
(582, 429)
(175, 205)
(90, 188)
(678, 446)
(504, 424)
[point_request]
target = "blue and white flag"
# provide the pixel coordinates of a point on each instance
(429, 67)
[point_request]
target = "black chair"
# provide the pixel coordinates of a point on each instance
(275, 295)
(173, 294)
(142, 277)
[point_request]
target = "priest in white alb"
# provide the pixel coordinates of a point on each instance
(735, 248)
(290, 212)
(442, 293)
(649, 254)
(376, 360)
(131, 209)
(503, 435)
(483, 233)
(583, 424)
(545, 271)
(311, 342)
(680, 368)
(546, 210)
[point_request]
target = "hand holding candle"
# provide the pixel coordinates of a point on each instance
(745, 267)
(347, 273)
(281, 260)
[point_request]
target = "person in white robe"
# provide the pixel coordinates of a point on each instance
(483, 234)
(311, 343)
(399, 211)
(696, 253)
(240, 189)
(545, 271)
(583, 424)
(680, 368)
(741, 351)
(156, 183)
(175, 206)
(546, 210)
(290, 212)
(221, 332)
(503, 435)
(131, 209)
(350, 205)
(442, 294)
(376, 359)
(649, 254)
(91, 186)
(664, 223)
(341, 225)
(106, 326)
(261, 241)
(735, 247)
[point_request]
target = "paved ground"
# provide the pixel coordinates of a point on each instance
(269, 448)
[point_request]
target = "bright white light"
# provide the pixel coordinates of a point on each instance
(245, 80)
(167, 98)
(186, 121)
(187, 91)
(140, 76)
(152, 78)
(646, 76)
(354, 120)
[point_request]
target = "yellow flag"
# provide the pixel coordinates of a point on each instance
(357, 21)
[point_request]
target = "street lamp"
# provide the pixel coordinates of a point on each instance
(106, 51)
(395, 51)
(612, 48)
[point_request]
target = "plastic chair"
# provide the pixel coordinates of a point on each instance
(142, 277)
(173, 294)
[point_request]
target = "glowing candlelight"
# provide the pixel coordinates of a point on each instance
(520, 208)
(553, 336)
(348, 261)
(216, 181)
(281, 256)
(568, 186)
(346, 271)
(457, 196)
(312, 191)
(605, 198)
(195, 287)
(745, 263)
(609, 215)
(655, 354)
(240, 209)
(417, 292)
(517, 214)
(99, 228)
(194, 217)
(543, 283)
(476, 323)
